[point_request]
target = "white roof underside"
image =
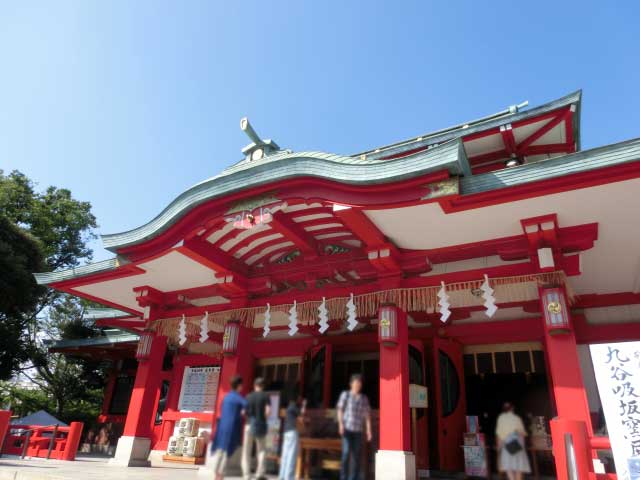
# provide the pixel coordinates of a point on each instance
(612, 266)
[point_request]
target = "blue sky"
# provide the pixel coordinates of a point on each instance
(128, 103)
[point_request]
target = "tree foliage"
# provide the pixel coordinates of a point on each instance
(20, 256)
(56, 229)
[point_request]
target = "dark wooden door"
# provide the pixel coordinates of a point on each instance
(450, 398)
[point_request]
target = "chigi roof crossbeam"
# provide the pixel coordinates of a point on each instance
(512, 114)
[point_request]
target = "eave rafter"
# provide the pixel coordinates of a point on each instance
(381, 252)
(289, 229)
(230, 273)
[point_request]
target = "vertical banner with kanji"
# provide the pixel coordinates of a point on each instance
(617, 368)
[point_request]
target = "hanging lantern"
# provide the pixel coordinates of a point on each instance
(230, 337)
(388, 325)
(144, 346)
(555, 309)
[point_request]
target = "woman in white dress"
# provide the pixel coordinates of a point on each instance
(510, 435)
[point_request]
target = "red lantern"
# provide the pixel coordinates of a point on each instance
(388, 325)
(556, 313)
(144, 346)
(230, 337)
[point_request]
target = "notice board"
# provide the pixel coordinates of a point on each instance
(199, 389)
(475, 461)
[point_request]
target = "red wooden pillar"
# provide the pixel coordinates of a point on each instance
(395, 460)
(568, 388)
(5, 418)
(108, 392)
(571, 449)
(564, 366)
(328, 365)
(134, 445)
(240, 363)
(73, 441)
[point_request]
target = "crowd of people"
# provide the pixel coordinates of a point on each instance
(354, 425)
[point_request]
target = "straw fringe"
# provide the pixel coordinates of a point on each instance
(508, 289)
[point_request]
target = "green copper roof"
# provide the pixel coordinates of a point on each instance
(98, 313)
(81, 271)
(287, 165)
(586, 160)
(486, 123)
(110, 337)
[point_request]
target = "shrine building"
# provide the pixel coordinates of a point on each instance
(465, 267)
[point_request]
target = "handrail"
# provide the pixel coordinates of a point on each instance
(18, 426)
(44, 441)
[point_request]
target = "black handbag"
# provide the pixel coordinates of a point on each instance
(513, 446)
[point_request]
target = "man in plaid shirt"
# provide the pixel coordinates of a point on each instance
(354, 416)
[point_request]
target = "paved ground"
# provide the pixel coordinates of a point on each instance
(90, 468)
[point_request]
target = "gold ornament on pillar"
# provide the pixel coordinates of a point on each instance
(230, 337)
(388, 325)
(556, 314)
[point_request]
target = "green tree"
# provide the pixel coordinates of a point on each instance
(20, 256)
(64, 226)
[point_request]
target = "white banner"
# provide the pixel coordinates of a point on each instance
(617, 369)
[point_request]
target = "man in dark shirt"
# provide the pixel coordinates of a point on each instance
(354, 418)
(258, 410)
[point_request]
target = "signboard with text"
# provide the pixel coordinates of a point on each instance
(199, 389)
(418, 396)
(617, 369)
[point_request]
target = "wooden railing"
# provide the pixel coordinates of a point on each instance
(51, 441)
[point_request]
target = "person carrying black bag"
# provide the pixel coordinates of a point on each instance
(510, 435)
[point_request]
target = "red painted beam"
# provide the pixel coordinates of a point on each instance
(595, 300)
(207, 254)
(124, 323)
(295, 233)
(569, 264)
(146, 296)
(489, 157)
(519, 330)
(362, 226)
(522, 146)
(508, 139)
(549, 149)
(604, 333)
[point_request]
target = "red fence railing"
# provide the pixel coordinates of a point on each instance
(51, 441)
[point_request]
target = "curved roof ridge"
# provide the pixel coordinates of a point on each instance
(277, 167)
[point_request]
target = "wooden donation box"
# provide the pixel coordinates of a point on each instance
(197, 395)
